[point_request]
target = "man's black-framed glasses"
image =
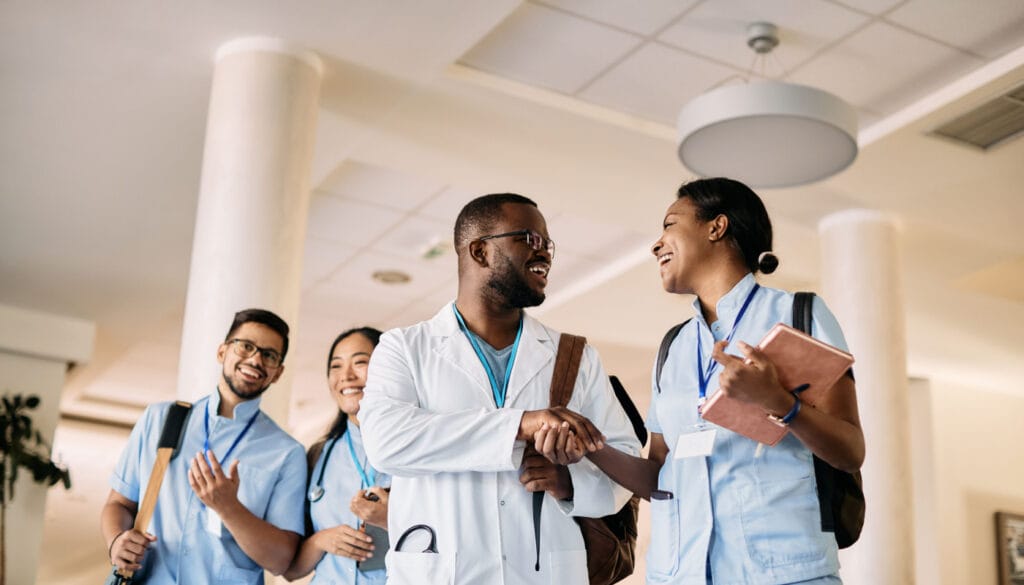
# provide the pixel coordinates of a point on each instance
(246, 349)
(533, 239)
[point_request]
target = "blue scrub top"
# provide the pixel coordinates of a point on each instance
(272, 472)
(735, 518)
(342, 481)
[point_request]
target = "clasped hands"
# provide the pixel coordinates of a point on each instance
(556, 438)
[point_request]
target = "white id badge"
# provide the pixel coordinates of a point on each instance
(695, 444)
(213, 523)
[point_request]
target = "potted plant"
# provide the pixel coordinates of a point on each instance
(22, 446)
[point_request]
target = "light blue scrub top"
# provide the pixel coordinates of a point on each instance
(736, 519)
(341, 482)
(272, 472)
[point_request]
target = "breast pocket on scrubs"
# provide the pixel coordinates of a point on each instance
(569, 567)
(231, 575)
(663, 552)
(420, 568)
(254, 488)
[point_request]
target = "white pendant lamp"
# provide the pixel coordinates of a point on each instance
(767, 133)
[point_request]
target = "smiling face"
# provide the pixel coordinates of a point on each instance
(683, 249)
(346, 372)
(518, 273)
(248, 377)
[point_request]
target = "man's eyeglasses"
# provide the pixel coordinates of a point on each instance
(534, 240)
(246, 349)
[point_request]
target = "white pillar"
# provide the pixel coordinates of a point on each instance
(861, 282)
(35, 350)
(253, 202)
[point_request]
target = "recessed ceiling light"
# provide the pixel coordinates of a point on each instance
(391, 277)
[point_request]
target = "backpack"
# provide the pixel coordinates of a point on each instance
(840, 494)
(611, 540)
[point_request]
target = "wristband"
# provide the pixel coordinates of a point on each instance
(110, 550)
(787, 418)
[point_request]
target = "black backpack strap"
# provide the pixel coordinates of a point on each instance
(631, 411)
(803, 311)
(803, 318)
(666, 343)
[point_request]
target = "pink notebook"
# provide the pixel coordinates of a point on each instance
(799, 359)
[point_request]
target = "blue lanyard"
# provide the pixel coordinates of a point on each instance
(368, 475)
(238, 439)
(704, 379)
(499, 394)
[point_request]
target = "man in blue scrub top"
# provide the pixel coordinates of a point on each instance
(224, 517)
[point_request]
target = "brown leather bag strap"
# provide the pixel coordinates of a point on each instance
(567, 367)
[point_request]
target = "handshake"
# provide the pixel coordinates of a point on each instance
(560, 435)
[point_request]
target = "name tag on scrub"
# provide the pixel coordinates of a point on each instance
(213, 523)
(696, 444)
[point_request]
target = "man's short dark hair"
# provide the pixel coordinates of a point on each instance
(480, 215)
(263, 317)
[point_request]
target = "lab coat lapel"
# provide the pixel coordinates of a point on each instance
(454, 348)
(536, 352)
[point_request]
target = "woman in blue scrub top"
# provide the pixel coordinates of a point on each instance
(725, 511)
(345, 492)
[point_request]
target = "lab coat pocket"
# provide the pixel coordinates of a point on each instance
(663, 552)
(569, 567)
(420, 568)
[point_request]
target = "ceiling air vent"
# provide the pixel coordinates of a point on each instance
(990, 123)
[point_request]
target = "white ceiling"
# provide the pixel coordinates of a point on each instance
(428, 104)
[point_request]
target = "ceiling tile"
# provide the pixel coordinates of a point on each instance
(322, 257)
(719, 30)
(447, 204)
(991, 28)
(861, 70)
(378, 185)
(568, 269)
(581, 237)
(355, 279)
(871, 6)
(414, 236)
(347, 221)
(549, 48)
(655, 82)
(655, 14)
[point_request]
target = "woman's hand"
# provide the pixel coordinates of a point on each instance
(558, 444)
(752, 379)
(345, 541)
(370, 511)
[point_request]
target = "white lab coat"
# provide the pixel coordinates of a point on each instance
(428, 418)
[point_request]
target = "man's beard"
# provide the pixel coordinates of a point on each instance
(242, 395)
(509, 286)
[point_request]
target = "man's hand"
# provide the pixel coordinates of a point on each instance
(345, 541)
(369, 511)
(559, 445)
(214, 488)
(586, 432)
(540, 475)
(128, 549)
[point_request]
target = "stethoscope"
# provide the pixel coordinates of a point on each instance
(367, 475)
(317, 491)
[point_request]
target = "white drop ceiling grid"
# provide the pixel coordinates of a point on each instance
(878, 55)
(365, 218)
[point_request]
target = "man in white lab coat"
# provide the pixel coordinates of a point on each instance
(451, 404)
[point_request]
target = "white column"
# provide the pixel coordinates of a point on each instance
(861, 283)
(35, 350)
(253, 202)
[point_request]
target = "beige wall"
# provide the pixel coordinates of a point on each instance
(979, 469)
